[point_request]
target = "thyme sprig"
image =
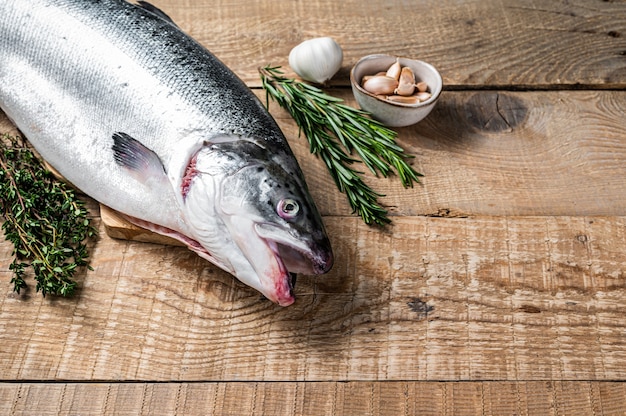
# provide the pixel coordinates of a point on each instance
(336, 132)
(44, 220)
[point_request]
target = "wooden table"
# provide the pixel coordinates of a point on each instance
(499, 289)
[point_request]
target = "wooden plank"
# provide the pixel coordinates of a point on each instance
(324, 398)
(497, 153)
(499, 43)
(486, 298)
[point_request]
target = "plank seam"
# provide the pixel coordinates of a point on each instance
(468, 305)
(482, 399)
(254, 395)
(215, 400)
(551, 275)
(178, 393)
(592, 278)
(406, 399)
(592, 399)
(18, 394)
(516, 363)
(334, 404)
(425, 263)
(555, 399)
(62, 399)
(143, 400)
(106, 399)
(519, 397)
(295, 400)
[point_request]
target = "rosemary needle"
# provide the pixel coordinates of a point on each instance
(336, 132)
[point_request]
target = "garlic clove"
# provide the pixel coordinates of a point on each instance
(378, 74)
(400, 99)
(406, 83)
(380, 84)
(423, 96)
(421, 86)
(394, 70)
(316, 60)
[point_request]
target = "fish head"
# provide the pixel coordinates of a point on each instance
(263, 202)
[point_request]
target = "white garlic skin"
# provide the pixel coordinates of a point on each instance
(316, 60)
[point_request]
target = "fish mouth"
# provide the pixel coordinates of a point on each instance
(279, 288)
(291, 256)
(298, 256)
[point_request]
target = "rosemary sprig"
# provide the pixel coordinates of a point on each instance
(336, 132)
(43, 219)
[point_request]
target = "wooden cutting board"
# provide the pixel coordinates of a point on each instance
(117, 227)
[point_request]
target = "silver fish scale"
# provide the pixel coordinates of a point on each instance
(90, 90)
(152, 41)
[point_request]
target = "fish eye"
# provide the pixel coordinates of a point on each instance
(287, 208)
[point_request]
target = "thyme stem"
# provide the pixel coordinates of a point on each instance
(43, 219)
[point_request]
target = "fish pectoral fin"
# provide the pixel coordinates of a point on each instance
(142, 163)
(155, 10)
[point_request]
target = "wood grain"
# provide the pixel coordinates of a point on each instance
(494, 43)
(325, 398)
(500, 153)
(498, 290)
(512, 298)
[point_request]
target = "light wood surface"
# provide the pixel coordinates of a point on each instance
(474, 43)
(515, 298)
(499, 289)
(325, 398)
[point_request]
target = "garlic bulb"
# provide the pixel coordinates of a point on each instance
(316, 60)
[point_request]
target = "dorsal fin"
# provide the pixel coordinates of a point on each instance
(155, 10)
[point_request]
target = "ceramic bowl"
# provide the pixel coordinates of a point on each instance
(389, 113)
